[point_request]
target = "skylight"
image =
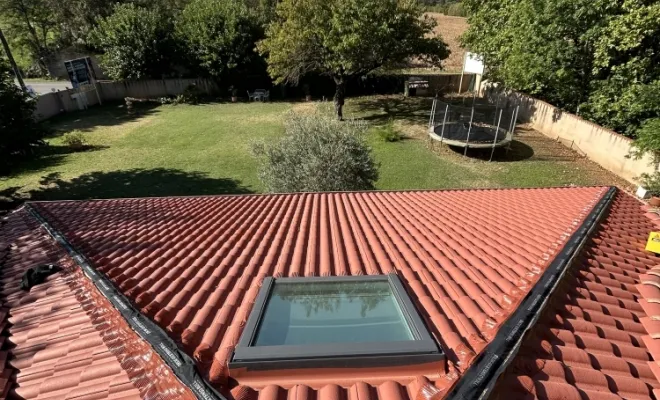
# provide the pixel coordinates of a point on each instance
(334, 321)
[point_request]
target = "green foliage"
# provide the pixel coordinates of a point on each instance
(651, 182)
(456, 10)
(75, 140)
(597, 56)
(347, 38)
(20, 135)
(343, 38)
(388, 133)
(648, 138)
(136, 42)
(31, 27)
(318, 154)
(219, 35)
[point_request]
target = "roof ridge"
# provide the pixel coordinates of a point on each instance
(202, 196)
(479, 379)
(181, 364)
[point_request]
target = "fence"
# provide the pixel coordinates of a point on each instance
(51, 104)
(605, 147)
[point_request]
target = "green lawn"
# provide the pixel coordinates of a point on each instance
(205, 149)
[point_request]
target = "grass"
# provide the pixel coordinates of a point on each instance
(205, 149)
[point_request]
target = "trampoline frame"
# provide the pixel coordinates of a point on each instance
(433, 135)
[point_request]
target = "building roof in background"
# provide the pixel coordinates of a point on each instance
(467, 258)
(62, 340)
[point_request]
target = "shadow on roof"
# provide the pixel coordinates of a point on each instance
(134, 183)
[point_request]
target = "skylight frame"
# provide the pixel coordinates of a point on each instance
(422, 349)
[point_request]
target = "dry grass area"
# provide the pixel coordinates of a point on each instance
(450, 29)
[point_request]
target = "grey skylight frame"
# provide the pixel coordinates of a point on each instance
(422, 349)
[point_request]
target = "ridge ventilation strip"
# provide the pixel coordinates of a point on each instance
(179, 362)
(480, 378)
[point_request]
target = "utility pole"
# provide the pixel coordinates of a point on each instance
(12, 62)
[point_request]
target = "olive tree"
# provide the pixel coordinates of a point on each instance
(317, 154)
(346, 38)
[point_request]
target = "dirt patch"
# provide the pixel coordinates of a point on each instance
(450, 29)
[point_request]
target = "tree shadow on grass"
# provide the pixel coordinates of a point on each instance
(134, 183)
(380, 110)
(106, 115)
(46, 157)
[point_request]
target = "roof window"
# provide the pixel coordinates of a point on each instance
(334, 322)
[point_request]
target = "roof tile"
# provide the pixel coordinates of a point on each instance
(602, 337)
(195, 264)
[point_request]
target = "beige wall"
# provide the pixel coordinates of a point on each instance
(149, 89)
(605, 147)
(52, 104)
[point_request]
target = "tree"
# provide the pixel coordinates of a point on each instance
(33, 24)
(596, 57)
(137, 43)
(318, 154)
(346, 38)
(20, 135)
(219, 35)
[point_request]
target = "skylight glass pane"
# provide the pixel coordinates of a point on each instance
(331, 312)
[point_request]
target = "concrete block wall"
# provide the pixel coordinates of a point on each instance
(603, 146)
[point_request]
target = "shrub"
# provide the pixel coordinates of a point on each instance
(648, 139)
(218, 35)
(388, 133)
(318, 154)
(651, 182)
(75, 140)
(456, 10)
(20, 134)
(136, 41)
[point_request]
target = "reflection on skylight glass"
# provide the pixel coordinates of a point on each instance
(331, 312)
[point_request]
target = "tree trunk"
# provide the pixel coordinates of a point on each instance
(340, 95)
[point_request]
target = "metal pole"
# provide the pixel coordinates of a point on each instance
(444, 122)
(17, 72)
(467, 142)
(432, 117)
(91, 78)
(497, 132)
(515, 118)
(460, 84)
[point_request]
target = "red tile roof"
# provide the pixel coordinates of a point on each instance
(592, 341)
(62, 340)
(195, 264)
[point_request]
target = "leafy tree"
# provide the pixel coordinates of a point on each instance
(596, 57)
(219, 35)
(317, 154)
(20, 134)
(136, 41)
(346, 38)
(32, 26)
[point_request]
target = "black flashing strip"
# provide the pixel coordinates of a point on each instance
(480, 378)
(181, 364)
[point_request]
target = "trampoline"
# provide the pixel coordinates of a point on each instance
(479, 126)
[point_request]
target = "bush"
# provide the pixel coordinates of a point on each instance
(219, 36)
(456, 10)
(651, 182)
(318, 154)
(136, 41)
(75, 140)
(20, 134)
(388, 134)
(648, 139)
